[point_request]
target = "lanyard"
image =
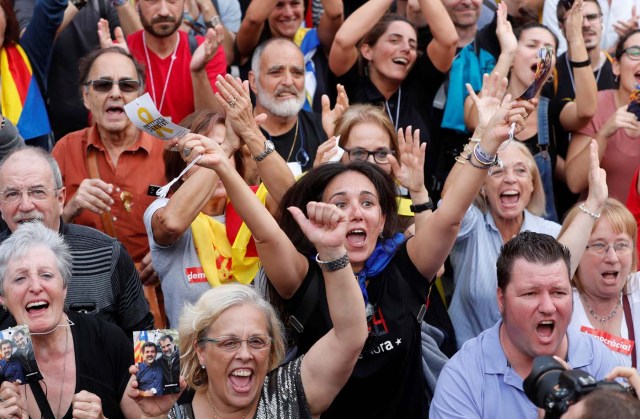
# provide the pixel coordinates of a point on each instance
(166, 82)
(386, 103)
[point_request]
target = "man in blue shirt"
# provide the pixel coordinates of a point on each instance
(484, 379)
(150, 372)
(10, 367)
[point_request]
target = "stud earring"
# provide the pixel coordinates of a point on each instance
(202, 366)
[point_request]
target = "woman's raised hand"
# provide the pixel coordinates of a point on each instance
(12, 405)
(329, 116)
(598, 189)
(501, 125)
(488, 101)
(213, 150)
(152, 406)
(504, 31)
(410, 170)
(233, 96)
(104, 36)
(86, 406)
(325, 226)
(326, 151)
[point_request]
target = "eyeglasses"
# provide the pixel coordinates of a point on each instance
(633, 53)
(519, 170)
(11, 196)
(599, 248)
(232, 343)
(379, 156)
(105, 86)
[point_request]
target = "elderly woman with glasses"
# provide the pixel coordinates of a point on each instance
(614, 126)
(606, 296)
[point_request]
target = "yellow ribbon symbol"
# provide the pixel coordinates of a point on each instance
(145, 116)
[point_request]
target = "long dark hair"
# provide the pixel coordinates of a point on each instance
(311, 187)
(12, 30)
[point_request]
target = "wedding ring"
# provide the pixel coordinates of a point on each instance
(185, 152)
(232, 104)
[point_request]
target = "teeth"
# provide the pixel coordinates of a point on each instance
(547, 322)
(509, 193)
(36, 304)
(400, 60)
(356, 231)
(241, 373)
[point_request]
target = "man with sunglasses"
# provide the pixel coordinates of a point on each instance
(108, 167)
(277, 79)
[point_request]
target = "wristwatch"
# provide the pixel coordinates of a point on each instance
(422, 207)
(268, 149)
(78, 3)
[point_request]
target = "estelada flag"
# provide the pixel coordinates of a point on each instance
(21, 99)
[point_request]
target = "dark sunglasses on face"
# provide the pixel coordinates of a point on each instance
(104, 86)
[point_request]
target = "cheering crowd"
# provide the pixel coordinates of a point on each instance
(381, 209)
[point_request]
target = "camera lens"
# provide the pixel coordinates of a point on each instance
(542, 380)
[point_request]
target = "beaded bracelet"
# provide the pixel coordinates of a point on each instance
(477, 166)
(595, 215)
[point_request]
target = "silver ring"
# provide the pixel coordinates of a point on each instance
(232, 104)
(185, 152)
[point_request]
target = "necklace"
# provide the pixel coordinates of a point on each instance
(64, 371)
(295, 137)
(597, 316)
(215, 412)
(166, 82)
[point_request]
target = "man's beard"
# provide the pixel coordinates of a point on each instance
(148, 26)
(282, 108)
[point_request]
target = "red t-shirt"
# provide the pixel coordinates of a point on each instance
(178, 101)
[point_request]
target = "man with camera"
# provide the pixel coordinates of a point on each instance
(485, 378)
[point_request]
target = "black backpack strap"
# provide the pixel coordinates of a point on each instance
(306, 306)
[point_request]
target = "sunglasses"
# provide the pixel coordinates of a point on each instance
(105, 86)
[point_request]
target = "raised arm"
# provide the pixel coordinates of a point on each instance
(330, 21)
(251, 27)
(330, 361)
(344, 51)
(273, 171)
(427, 252)
(578, 113)
(575, 236)
(508, 46)
(279, 256)
(442, 48)
(203, 65)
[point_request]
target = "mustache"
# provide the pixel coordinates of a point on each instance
(32, 216)
(163, 19)
(285, 89)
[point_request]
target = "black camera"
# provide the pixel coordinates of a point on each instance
(554, 389)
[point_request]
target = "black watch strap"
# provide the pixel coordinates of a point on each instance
(422, 207)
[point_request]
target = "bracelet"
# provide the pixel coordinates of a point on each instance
(595, 215)
(213, 22)
(477, 166)
(333, 265)
(580, 64)
(485, 158)
(474, 140)
(427, 206)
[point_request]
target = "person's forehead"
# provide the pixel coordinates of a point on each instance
(282, 54)
(27, 168)
(525, 273)
(113, 65)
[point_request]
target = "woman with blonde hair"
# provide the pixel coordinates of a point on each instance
(606, 297)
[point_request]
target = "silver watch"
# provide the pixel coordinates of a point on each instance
(268, 149)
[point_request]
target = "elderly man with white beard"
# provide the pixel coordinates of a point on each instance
(277, 80)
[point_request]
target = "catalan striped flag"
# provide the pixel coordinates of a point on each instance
(21, 99)
(137, 349)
